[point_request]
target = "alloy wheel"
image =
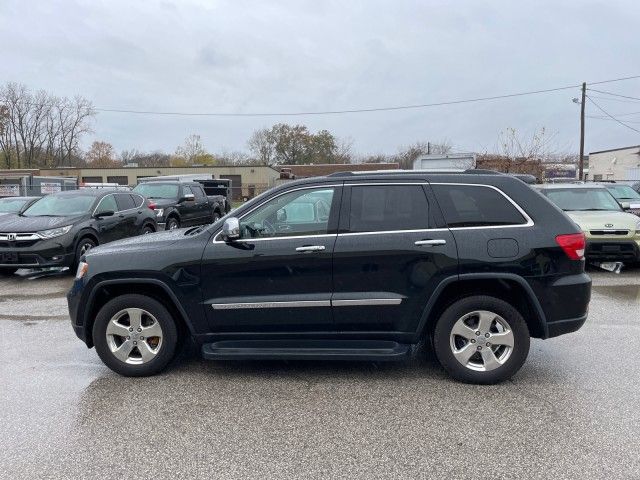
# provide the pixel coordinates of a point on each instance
(481, 340)
(85, 248)
(134, 336)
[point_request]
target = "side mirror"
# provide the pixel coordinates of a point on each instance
(105, 213)
(625, 205)
(231, 229)
(189, 197)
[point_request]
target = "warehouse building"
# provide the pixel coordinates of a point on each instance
(247, 181)
(615, 164)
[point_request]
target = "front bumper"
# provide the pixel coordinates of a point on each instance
(55, 252)
(74, 297)
(612, 250)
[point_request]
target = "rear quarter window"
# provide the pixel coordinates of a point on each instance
(476, 206)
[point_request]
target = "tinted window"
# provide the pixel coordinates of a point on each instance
(107, 204)
(388, 207)
(476, 206)
(137, 200)
(125, 202)
(186, 191)
(197, 191)
(301, 212)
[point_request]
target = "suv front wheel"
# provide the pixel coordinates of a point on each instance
(135, 335)
(481, 339)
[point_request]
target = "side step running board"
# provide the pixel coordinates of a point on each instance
(376, 350)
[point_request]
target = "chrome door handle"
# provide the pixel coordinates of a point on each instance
(310, 248)
(430, 243)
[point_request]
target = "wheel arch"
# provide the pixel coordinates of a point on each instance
(87, 233)
(156, 289)
(509, 287)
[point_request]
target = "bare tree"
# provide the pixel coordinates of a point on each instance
(192, 150)
(101, 155)
(39, 129)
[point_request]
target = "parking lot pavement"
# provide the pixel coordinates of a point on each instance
(571, 412)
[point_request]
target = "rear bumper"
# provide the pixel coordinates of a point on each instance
(565, 326)
(564, 301)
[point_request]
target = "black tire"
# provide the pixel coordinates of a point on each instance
(172, 223)
(84, 244)
(169, 335)
(464, 306)
(8, 271)
(147, 229)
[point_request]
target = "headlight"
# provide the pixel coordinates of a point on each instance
(159, 212)
(638, 228)
(54, 232)
(82, 270)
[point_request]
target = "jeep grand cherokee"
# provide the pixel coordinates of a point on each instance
(348, 266)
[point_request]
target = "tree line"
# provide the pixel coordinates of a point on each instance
(41, 130)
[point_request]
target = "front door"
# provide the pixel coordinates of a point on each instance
(277, 277)
(391, 253)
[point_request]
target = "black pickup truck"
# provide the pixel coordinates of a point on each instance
(181, 204)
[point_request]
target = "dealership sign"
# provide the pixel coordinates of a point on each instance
(9, 190)
(47, 188)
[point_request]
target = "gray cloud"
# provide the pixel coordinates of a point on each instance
(252, 56)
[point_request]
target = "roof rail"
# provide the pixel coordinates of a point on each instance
(477, 171)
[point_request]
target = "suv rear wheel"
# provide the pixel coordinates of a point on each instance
(135, 335)
(172, 223)
(481, 339)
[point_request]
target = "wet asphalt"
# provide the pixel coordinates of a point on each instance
(573, 411)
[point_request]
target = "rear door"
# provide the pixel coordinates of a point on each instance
(127, 213)
(109, 228)
(392, 251)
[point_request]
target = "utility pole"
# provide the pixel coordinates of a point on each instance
(581, 159)
(428, 148)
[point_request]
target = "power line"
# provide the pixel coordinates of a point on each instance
(359, 110)
(602, 117)
(613, 94)
(616, 115)
(612, 99)
(611, 116)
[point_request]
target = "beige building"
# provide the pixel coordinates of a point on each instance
(615, 164)
(247, 181)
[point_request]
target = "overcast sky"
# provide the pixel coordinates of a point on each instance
(288, 56)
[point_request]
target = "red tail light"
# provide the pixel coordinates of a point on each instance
(152, 205)
(573, 245)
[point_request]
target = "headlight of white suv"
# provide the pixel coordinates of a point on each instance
(159, 212)
(638, 228)
(54, 232)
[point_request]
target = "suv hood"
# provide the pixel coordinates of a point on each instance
(14, 223)
(145, 243)
(604, 220)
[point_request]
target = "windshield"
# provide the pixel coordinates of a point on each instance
(157, 190)
(623, 192)
(60, 206)
(10, 205)
(582, 199)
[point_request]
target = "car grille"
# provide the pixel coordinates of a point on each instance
(609, 232)
(611, 250)
(21, 240)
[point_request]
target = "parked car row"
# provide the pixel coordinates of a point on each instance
(604, 213)
(57, 229)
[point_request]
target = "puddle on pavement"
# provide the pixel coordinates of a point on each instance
(627, 293)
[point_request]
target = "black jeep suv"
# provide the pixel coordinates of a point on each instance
(347, 266)
(58, 229)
